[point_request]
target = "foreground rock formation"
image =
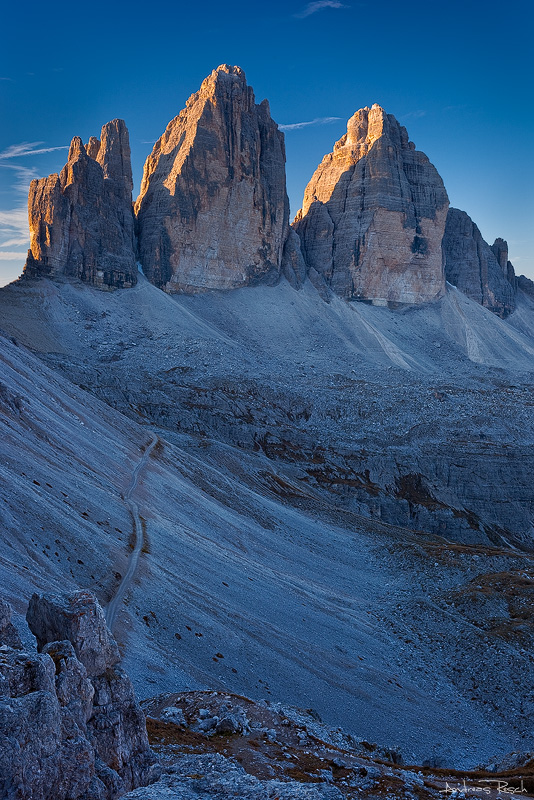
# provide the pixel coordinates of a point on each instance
(70, 726)
(81, 221)
(213, 209)
(374, 213)
(481, 272)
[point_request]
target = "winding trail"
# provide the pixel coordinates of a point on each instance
(115, 603)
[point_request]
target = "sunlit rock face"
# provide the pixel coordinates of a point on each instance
(481, 272)
(374, 213)
(81, 221)
(213, 209)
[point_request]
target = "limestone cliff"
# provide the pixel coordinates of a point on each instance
(81, 221)
(374, 213)
(481, 272)
(213, 209)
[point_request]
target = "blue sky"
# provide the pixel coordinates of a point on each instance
(459, 75)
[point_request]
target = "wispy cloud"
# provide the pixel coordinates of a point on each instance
(319, 5)
(18, 241)
(6, 79)
(14, 218)
(23, 176)
(29, 149)
(7, 256)
(295, 126)
(14, 232)
(414, 114)
(455, 108)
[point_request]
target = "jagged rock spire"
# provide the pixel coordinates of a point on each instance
(374, 213)
(213, 209)
(481, 272)
(81, 221)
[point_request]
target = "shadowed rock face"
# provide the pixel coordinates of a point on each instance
(70, 726)
(78, 619)
(481, 272)
(81, 221)
(213, 209)
(374, 213)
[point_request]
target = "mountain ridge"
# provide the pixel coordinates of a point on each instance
(213, 211)
(335, 502)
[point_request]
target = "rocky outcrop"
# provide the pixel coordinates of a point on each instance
(81, 221)
(8, 633)
(525, 285)
(499, 249)
(70, 727)
(293, 264)
(481, 272)
(80, 620)
(373, 215)
(213, 209)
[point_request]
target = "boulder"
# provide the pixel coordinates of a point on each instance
(373, 215)
(81, 221)
(481, 272)
(213, 210)
(78, 618)
(30, 746)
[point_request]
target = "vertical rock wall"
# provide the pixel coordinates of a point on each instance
(213, 209)
(81, 221)
(481, 272)
(373, 215)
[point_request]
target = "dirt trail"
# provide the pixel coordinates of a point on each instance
(115, 602)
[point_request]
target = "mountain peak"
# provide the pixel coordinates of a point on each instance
(367, 125)
(228, 69)
(374, 213)
(213, 210)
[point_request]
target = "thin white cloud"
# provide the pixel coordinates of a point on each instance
(14, 222)
(23, 176)
(29, 149)
(7, 256)
(414, 114)
(15, 232)
(295, 126)
(14, 218)
(319, 5)
(17, 241)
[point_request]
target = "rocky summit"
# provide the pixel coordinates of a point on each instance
(374, 213)
(213, 209)
(481, 272)
(81, 221)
